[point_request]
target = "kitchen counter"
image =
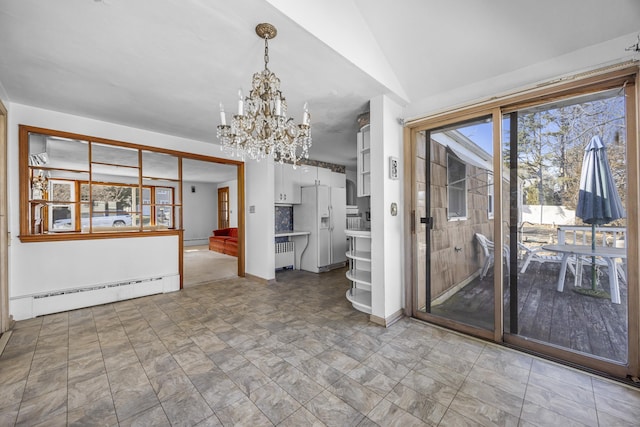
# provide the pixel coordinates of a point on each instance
(291, 233)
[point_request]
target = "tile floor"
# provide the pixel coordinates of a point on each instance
(234, 352)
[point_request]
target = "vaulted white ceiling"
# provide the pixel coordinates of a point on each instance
(164, 65)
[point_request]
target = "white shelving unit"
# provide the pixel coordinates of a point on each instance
(359, 272)
(364, 162)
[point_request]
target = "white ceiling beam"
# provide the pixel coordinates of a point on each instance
(339, 24)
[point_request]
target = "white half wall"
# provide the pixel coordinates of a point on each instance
(42, 268)
(387, 230)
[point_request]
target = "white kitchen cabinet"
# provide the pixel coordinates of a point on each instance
(364, 162)
(338, 180)
(324, 176)
(306, 175)
(287, 187)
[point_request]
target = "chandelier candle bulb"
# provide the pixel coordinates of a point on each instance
(240, 103)
(305, 115)
(223, 120)
(278, 107)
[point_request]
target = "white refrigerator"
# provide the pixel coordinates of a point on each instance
(323, 212)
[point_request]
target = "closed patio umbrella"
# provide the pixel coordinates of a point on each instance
(598, 200)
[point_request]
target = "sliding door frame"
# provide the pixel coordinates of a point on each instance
(624, 77)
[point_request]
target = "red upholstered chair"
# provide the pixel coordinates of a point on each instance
(224, 240)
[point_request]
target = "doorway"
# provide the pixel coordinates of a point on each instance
(211, 202)
(565, 297)
(458, 225)
(502, 246)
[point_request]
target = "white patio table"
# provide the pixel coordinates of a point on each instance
(608, 254)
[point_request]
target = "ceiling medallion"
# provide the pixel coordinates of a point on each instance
(261, 127)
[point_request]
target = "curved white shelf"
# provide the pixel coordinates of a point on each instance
(359, 255)
(360, 299)
(361, 277)
(365, 234)
(359, 273)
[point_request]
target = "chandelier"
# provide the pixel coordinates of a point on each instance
(261, 128)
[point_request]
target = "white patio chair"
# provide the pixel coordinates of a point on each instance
(540, 255)
(488, 249)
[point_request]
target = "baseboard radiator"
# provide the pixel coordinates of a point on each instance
(285, 254)
(57, 301)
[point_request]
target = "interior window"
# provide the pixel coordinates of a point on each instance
(75, 186)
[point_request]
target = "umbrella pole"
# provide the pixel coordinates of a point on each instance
(594, 273)
(593, 291)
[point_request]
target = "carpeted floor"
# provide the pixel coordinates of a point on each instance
(202, 265)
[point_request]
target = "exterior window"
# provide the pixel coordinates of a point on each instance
(457, 188)
(110, 205)
(156, 209)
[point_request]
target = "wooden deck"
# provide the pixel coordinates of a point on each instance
(567, 319)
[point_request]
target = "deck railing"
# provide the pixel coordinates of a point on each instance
(582, 235)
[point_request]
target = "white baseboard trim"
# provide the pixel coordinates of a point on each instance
(56, 301)
(389, 320)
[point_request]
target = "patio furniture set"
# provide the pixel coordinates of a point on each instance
(573, 251)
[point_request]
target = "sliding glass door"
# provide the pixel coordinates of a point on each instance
(525, 222)
(456, 193)
(569, 162)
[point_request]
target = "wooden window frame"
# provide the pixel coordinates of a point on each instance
(26, 234)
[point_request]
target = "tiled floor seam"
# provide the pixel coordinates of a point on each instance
(20, 407)
(526, 387)
(466, 376)
(68, 360)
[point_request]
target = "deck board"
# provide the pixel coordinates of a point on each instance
(567, 319)
(561, 323)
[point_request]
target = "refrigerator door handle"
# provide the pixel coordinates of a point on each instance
(330, 218)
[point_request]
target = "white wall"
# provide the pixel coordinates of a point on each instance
(387, 231)
(43, 267)
(589, 58)
(260, 219)
(200, 212)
